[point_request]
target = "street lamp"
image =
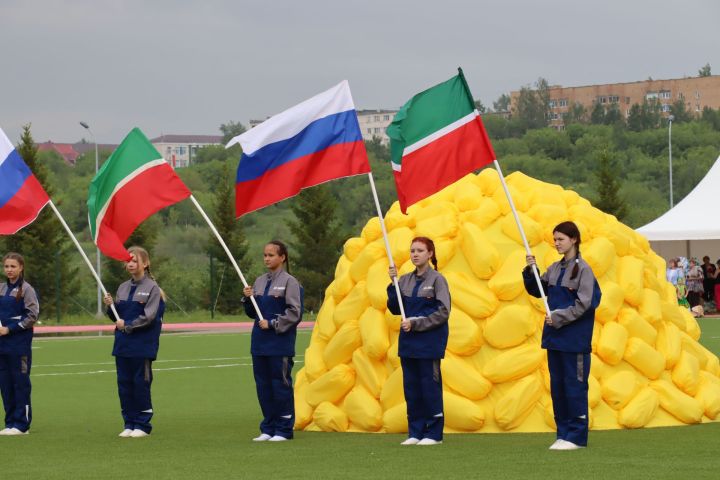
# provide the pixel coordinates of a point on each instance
(99, 290)
(670, 120)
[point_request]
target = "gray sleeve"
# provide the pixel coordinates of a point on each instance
(149, 313)
(441, 315)
(32, 309)
(586, 285)
(283, 322)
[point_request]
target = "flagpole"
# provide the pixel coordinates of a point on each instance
(387, 243)
(227, 251)
(84, 256)
(536, 274)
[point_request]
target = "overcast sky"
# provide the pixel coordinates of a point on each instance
(186, 66)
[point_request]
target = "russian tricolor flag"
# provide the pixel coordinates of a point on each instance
(311, 143)
(21, 195)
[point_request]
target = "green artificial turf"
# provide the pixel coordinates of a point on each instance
(206, 412)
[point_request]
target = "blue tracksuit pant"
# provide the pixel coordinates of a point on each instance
(275, 394)
(569, 391)
(15, 389)
(134, 377)
(422, 383)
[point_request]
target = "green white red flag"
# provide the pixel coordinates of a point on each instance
(437, 138)
(133, 184)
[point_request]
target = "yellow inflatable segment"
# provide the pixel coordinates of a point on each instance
(647, 367)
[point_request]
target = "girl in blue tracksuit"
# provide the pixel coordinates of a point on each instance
(573, 294)
(279, 297)
(422, 342)
(19, 311)
(140, 304)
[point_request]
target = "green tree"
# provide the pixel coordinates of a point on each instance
(680, 112)
(502, 104)
(613, 115)
(48, 251)
(532, 108)
(597, 116)
(479, 106)
(230, 130)
(705, 71)
(317, 242)
(577, 113)
(635, 120)
(229, 294)
(608, 186)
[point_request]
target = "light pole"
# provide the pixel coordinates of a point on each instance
(97, 250)
(670, 120)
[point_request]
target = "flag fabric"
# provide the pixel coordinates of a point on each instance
(134, 183)
(311, 143)
(21, 195)
(436, 138)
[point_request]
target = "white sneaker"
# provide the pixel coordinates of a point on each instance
(262, 438)
(137, 433)
(4, 431)
(411, 441)
(278, 438)
(555, 445)
(565, 445)
(429, 441)
(15, 431)
(125, 433)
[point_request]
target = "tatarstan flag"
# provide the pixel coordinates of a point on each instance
(435, 139)
(134, 183)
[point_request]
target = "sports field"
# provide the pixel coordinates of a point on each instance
(207, 412)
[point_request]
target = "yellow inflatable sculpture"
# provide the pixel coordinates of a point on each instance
(648, 368)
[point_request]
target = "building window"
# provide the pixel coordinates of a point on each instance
(377, 118)
(666, 108)
(551, 104)
(697, 94)
(180, 150)
(627, 113)
(651, 95)
(386, 117)
(563, 102)
(377, 130)
(369, 131)
(665, 94)
(613, 99)
(697, 107)
(602, 99)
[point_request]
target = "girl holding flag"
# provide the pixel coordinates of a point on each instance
(573, 294)
(279, 297)
(19, 311)
(140, 303)
(423, 338)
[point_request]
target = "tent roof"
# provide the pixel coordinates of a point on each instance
(694, 217)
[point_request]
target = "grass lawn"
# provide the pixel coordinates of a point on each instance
(207, 412)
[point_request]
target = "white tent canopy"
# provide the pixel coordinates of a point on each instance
(691, 228)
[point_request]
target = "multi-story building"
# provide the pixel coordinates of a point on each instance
(179, 150)
(696, 92)
(374, 122)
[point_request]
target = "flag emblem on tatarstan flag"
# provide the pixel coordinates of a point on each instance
(436, 138)
(133, 184)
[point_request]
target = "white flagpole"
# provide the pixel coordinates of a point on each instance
(84, 256)
(522, 234)
(387, 243)
(227, 251)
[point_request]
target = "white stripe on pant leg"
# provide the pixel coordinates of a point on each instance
(147, 411)
(27, 413)
(287, 416)
(439, 415)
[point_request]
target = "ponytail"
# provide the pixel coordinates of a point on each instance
(572, 231)
(430, 245)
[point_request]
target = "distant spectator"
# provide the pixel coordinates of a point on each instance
(673, 272)
(682, 293)
(708, 279)
(694, 283)
(716, 277)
